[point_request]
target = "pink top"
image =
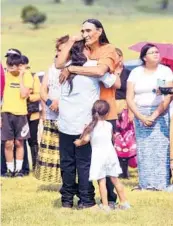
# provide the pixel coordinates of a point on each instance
(2, 81)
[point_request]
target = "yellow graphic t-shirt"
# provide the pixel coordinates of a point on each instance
(12, 101)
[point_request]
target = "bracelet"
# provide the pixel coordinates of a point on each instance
(171, 160)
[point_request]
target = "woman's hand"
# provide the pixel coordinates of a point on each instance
(64, 75)
(76, 38)
(147, 120)
(54, 105)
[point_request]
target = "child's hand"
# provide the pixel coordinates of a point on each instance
(78, 142)
(22, 70)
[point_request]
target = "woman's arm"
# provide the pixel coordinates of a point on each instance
(93, 71)
(130, 101)
(44, 88)
(163, 105)
(117, 84)
(62, 58)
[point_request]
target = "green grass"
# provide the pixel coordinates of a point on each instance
(124, 25)
(28, 202)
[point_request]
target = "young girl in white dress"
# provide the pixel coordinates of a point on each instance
(104, 161)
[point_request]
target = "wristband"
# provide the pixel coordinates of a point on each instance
(171, 160)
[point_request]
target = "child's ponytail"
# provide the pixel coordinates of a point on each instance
(91, 126)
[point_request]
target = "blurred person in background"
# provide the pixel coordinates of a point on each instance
(152, 120)
(121, 103)
(3, 162)
(33, 116)
(48, 161)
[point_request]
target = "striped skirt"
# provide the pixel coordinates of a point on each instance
(153, 151)
(48, 160)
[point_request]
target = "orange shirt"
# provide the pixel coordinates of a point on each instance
(107, 55)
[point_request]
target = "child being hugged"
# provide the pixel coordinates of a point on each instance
(104, 161)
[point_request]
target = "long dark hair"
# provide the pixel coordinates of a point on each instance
(77, 59)
(99, 109)
(144, 51)
(103, 38)
(76, 55)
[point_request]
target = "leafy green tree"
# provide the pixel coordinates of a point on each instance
(164, 4)
(36, 19)
(89, 2)
(27, 11)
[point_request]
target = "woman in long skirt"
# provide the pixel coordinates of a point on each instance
(48, 160)
(152, 121)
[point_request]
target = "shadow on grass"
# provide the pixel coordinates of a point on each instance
(49, 187)
(130, 183)
(57, 203)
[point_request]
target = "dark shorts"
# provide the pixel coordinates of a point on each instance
(14, 127)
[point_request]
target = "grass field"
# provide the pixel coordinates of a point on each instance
(124, 26)
(28, 202)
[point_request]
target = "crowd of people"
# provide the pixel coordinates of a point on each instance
(81, 100)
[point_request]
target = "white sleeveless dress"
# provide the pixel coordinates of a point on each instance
(104, 161)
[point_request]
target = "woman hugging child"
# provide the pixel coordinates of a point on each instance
(104, 161)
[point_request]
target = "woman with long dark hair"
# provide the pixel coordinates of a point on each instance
(152, 120)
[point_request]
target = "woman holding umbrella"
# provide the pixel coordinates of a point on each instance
(151, 119)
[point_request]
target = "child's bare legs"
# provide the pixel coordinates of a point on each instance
(9, 145)
(119, 188)
(19, 154)
(9, 156)
(19, 149)
(103, 191)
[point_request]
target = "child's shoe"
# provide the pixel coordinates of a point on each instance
(8, 174)
(124, 206)
(105, 208)
(18, 174)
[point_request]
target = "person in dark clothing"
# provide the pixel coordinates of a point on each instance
(121, 104)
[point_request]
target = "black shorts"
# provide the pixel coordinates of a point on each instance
(14, 127)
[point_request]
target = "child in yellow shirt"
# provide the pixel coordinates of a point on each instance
(15, 129)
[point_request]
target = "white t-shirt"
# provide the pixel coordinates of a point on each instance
(75, 107)
(145, 84)
(53, 90)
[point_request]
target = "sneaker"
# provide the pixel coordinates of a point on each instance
(105, 208)
(137, 188)
(18, 174)
(8, 174)
(124, 206)
(112, 205)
